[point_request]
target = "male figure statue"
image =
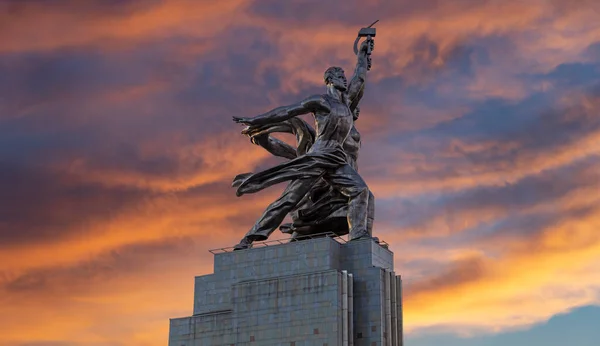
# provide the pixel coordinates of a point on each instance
(325, 159)
(323, 209)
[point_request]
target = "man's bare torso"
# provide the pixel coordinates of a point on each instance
(333, 126)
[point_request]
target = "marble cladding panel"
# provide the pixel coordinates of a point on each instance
(303, 309)
(284, 259)
(365, 254)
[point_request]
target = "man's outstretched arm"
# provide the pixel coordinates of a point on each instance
(312, 104)
(356, 85)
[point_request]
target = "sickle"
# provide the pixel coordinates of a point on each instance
(356, 45)
(358, 38)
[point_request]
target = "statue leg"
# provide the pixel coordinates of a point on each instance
(346, 180)
(276, 211)
(370, 213)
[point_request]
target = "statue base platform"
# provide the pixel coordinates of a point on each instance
(322, 291)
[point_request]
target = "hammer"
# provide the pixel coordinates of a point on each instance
(369, 33)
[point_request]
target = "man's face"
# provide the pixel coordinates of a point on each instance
(339, 81)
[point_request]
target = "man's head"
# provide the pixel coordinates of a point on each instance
(335, 76)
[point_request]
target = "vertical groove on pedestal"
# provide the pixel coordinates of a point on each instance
(344, 308)
(388, 310)
(350, 310)
(381, 327)
(394, 325)
(399, 309)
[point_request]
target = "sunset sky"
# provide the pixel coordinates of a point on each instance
(481, 143)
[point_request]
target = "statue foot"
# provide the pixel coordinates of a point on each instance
(364, 235)
(286, 228)
(244, 244)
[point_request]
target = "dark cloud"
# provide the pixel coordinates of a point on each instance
(530, 230)
(510, 203)
(561, 7)
(492, 118)
(126, 158)
(527, 192)
(312, 11)
(112, 265)
(32, 78)
(456, 274)
(497, 135)
(229, 81)
(429, 89)
(53, 104)
(68, 77)
(593, 51)
(39, 205)
(69, 93)
(90, 8)
(571, 75)
(429, 62)
(351, 12)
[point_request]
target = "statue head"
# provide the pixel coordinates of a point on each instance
(335, 76)
(356, 113)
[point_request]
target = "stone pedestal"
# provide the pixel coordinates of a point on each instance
(321, 292)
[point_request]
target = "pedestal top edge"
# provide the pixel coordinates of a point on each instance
(279, 242)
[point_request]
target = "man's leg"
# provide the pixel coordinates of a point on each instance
(370, 213)
(346, 180)
(276, 211)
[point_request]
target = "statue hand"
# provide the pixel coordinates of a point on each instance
(242, 120)
(367, 45)
(252, 130)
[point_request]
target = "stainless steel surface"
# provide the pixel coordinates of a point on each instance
(325, 191)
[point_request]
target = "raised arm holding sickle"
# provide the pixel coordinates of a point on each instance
(325, 159)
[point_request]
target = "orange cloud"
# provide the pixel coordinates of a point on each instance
(534, 283)
(216, 158)
(129, 297)
(151, 219)
(126, 277)
(32, 26)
